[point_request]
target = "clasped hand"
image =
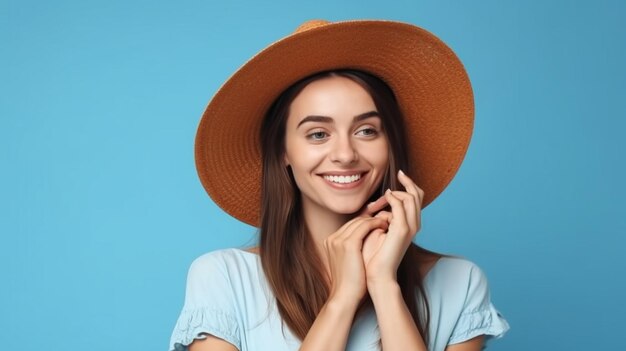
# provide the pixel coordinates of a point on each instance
(367, 250)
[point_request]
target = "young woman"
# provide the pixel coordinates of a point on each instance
(336, 268)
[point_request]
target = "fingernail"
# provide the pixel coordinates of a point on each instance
(400, 172)
(387, 191)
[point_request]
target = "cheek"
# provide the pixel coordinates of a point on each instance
(304, 163)
(303, 157)
(382, 158)
(303, 160)
(380, 155)
(292, 150)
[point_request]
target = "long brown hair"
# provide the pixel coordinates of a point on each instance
(290, 261)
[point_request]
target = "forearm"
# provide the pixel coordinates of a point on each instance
(397, 328)
(331, 328)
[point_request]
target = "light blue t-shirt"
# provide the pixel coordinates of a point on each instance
(227, 296)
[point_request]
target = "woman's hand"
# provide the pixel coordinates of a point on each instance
(383, 250)
(345, 260)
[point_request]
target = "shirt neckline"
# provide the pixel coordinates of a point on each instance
(425, 277)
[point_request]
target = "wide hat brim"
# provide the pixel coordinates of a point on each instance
(430, 83)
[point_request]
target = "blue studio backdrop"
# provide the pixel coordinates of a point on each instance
(101, 211)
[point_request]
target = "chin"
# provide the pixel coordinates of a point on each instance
(347, 210)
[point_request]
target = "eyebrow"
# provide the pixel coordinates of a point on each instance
(326, 119)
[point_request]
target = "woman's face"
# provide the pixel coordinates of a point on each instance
(335, 145)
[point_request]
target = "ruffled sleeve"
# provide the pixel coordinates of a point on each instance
(209, 305)
(479, 316)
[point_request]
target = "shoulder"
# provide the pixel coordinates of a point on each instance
(213, 299)
(455, 270)
(456, 279)
(222, 272)
(223, 262)
(458, 290)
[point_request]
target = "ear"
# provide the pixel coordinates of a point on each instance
(286, 160)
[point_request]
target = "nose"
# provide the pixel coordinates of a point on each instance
(343, 152)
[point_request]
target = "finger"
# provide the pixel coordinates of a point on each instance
(400, 233)
(371, 244)
(418, 193)
(334, 236)
(411, 209)
(411, 187)
(397, 211)
(363, 223)
(358, 233)
(386, 215)
(366, 227)
(377, 231)
(345, 230)
(374, 207)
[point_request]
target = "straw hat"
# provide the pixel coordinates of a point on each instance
(430, 83)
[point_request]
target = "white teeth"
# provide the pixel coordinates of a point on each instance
(343, 179)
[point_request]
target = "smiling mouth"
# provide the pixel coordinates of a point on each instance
(343, 179)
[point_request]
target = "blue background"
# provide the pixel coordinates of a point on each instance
(102, 212)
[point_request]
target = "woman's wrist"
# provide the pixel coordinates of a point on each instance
(383, 289)
(343, 303)
(331, 327)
